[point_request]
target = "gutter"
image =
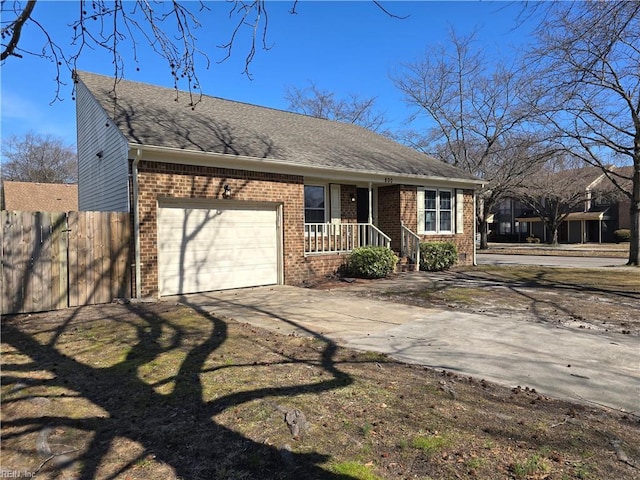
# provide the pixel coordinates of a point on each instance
(197, 158)
(136, 220)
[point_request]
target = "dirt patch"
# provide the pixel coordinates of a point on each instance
(162, 391)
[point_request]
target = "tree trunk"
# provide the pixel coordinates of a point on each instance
(484, 234)
(634, 216)
(552, 227)
(634, 206)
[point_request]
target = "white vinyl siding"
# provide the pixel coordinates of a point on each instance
(103, 181)
(436, 211)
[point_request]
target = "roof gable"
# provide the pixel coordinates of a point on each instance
(161, 117)
(40, 197)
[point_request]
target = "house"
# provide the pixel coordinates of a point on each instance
(39, 197)
(598, 211)
(227, 195)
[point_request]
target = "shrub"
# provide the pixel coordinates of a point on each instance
(623, 235)
(533, 240)
(437, 256)
(371, 262)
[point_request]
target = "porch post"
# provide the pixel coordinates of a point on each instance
(599, 230)
(370, 205)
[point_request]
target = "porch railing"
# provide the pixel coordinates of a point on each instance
(341, 237)
(410, 246)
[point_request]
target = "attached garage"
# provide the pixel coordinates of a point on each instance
(205, 245)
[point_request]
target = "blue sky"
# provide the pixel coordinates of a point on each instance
(344, 47)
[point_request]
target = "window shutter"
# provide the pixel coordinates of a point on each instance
(336, 208)
(459, 211)
(420, 211)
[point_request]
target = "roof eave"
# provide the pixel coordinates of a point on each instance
(269, 165)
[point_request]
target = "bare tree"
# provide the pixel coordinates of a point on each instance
(589, 54)
(39, 158)
(122, 27)
(315, 102)
(483, 117)
(555, 190)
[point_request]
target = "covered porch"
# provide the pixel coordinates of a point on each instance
(577, 227)
(353, 218)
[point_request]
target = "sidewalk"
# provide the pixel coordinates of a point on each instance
(604, 250)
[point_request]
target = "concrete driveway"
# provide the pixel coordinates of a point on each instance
(586, 367)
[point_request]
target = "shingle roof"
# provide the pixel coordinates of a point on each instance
(40, 197)
(581, 177)
(151, 115)
(624, 178)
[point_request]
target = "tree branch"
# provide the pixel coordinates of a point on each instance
(14, 29)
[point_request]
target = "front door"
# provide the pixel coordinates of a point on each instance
(362, 205)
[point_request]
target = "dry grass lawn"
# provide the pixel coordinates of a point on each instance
(157, 390)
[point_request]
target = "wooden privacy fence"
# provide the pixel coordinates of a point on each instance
(58, 260)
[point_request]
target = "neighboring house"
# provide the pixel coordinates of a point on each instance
(227, 195)
(602, 211)
(39, 197)
(503, 225)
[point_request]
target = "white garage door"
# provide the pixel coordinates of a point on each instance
(202, 248)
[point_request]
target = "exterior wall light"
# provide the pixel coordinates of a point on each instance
(227, 191)
(352, 197)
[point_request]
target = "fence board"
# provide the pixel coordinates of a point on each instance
(72, 256)
(41, 261)
(27, 244)
(120, 243)
(57, 260)
(11, 286)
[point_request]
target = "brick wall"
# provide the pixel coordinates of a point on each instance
(464, 241)
(349, 210)
(157, 179)
(395, 202)
(389, 214)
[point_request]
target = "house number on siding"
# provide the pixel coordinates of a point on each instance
(388, 180)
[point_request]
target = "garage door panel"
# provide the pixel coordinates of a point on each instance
(213, 249)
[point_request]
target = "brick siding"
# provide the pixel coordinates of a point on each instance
(349, 212)
(463, 241)
(157, 180)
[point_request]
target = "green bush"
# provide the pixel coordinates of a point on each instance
(437, 256)
(623, 235)
(371, 262)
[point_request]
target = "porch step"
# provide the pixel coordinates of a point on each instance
(405, 265)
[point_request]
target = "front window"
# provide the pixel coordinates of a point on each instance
(430, 210)
(314, 211)
(445, 210)
(436, 211)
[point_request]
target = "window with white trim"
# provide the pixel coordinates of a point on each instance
(435, 210)
(314, 204)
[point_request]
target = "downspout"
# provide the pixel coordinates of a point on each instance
(136, 220)
(475, 230)
(370, 219)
